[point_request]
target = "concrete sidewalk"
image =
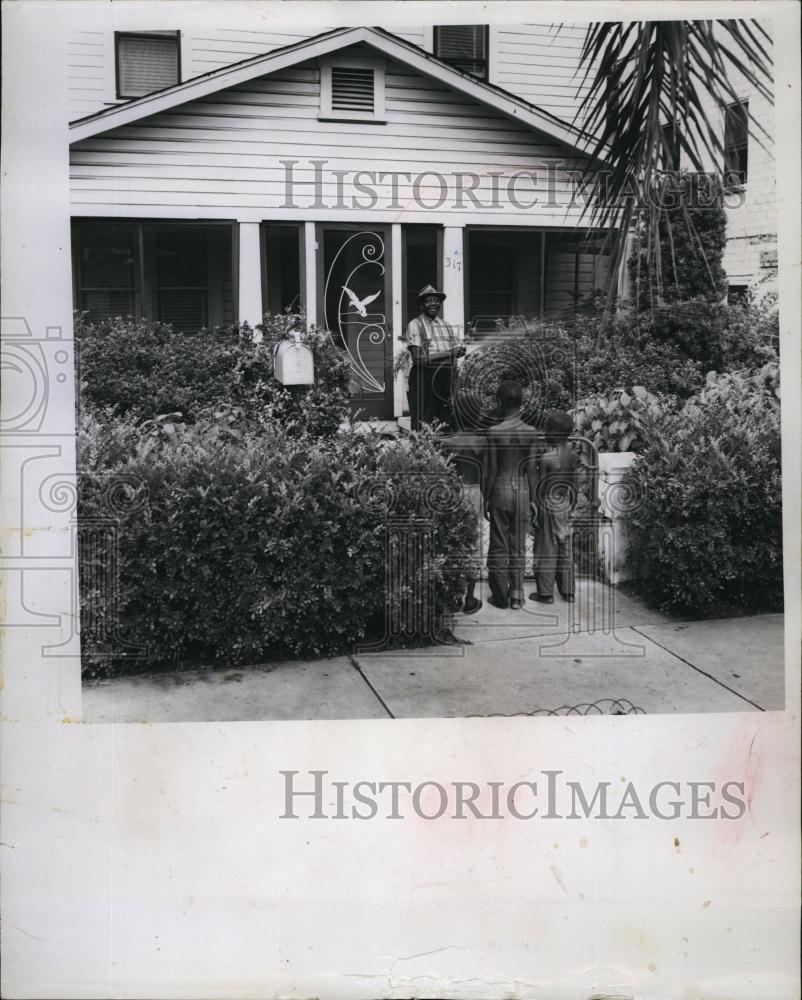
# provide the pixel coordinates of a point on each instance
(606, 654)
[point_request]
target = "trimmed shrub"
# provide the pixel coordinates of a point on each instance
(235, 544)
(146, 370)
(706, 524)
(668, 352)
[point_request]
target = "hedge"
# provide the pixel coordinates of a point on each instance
(705, 522)
(238, 544)
(663, 356)
(146, 370)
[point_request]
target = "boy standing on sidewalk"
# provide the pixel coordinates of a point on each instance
(511, 476)
(554, 502)
(468, 448)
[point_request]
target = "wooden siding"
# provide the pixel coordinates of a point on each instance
(219, 156)
(571, 277)
(533, 61)
(211, 50)
(539, 62)
(88, 68)
(91, 81)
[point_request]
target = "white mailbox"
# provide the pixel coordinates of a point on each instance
(294, 363)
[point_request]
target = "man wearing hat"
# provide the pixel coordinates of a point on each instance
(434, 347)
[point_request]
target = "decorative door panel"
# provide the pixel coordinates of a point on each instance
(354, 306)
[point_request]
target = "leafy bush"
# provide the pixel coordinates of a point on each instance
(618, 421)
(668, 352)
(147, 370)
(238, 543)
(706, 531)
(751, 336)
(562, 363)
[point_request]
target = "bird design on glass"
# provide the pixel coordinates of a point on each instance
(359, 304)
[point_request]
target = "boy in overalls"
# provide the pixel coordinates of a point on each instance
(555, 499)
(511, 473)
(468, 448)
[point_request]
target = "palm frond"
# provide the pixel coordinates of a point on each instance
(640, 76)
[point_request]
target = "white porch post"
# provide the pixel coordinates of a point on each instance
(250, 274)
(454, 278)
(310, 272)
(397, 315)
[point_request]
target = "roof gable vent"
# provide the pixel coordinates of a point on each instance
(352, 89)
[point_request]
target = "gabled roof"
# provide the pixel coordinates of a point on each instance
(321, 45)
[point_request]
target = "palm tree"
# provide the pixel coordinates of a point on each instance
(648, 83)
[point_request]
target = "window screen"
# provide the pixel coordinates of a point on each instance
(146, 63)
(173, 273)
(182, 284)
(463, 46)
(106, 278)
(282, 268)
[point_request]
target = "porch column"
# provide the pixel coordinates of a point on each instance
(250, 274)
(454, 278)
(397, 314)
(310, 272)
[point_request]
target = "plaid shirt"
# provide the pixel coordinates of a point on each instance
(432, 335)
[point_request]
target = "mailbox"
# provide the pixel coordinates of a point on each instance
(294, 363)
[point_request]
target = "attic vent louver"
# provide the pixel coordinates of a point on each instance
(352, 89)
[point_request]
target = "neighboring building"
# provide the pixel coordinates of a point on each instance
(750, 259)
(218, 175)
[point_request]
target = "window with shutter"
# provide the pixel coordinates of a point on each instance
(147, 62)
(352, 89)
(463, 46)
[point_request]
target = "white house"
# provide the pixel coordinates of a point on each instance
(353, 159)
(219, 175)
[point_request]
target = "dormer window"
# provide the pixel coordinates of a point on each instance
(352, 90)
(146, 61)
(463, 46)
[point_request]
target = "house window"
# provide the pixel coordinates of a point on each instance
(736, 143)
(421, 264)
(147, 61)
(504, 277)
(178, 273)
(106, 272)
(182, 278)
(282, 254)
(352, 90)
(737, 295)
(463, 46)
(670, 151)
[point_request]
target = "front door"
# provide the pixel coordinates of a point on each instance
(354, 306)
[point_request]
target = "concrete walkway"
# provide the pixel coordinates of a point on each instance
(606, 654)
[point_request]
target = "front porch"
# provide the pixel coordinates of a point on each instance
(357, 280)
